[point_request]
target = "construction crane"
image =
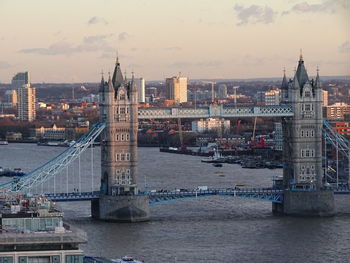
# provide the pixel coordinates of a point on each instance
(235, 94)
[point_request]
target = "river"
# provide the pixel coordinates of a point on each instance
(206, 229)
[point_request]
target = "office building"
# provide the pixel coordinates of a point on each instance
(268, 98)
(176, 89)
(337, 111)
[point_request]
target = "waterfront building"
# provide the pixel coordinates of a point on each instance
(20, 79)
(222, 91)
(337, 111)
(176, 89)
(13, 136)
(32, 231)
(53, 133)
(210, 124)
(26, 103)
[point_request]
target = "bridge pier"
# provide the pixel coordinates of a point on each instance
(306, 203)
(122, 208)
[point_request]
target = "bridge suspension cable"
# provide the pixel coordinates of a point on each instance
(52, 167)
(341, 144)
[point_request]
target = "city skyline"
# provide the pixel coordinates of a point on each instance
(157, 39)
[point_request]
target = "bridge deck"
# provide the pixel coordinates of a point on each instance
(263, 194)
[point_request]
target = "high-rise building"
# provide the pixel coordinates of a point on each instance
(26, 103)
(140, 85)
(222, 91)
(20, 79)
(176, 89)
(325, 98)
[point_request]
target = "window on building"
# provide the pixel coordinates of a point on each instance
(122, 110)
(307, 153)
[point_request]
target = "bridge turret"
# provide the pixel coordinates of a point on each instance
(303, 148)
(119, 109)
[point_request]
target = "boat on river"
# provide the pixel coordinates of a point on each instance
(126, 259)
(216, 158)
(3, 142)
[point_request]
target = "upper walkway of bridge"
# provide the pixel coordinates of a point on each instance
(215, 110)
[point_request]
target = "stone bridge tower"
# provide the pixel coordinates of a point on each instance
(304, 192)
(119, 199)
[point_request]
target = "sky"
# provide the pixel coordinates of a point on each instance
(74, 40)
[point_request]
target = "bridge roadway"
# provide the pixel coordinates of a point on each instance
(215, 110)
(161, 197)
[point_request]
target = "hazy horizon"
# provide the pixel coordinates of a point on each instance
(72, 41)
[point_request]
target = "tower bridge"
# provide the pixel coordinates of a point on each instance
(304, 190)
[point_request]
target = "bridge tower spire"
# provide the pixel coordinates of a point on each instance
(305, 192)
(120, 199)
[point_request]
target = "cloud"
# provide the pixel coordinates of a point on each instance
(254, 14)
(345, 47)
(4, 64)
(97, 20)
(89, 44)
(327, 6)
(96, 38)
(123, 36)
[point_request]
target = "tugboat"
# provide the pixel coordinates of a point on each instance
(216, 158)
